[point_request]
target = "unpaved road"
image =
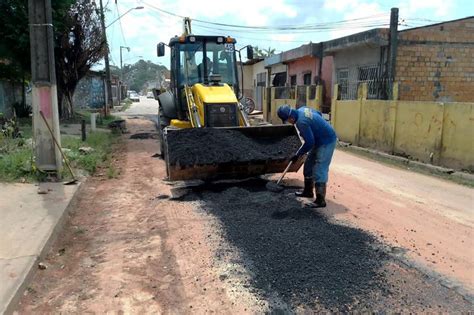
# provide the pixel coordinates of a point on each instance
(389, 240)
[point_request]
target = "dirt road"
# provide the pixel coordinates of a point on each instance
(136, 244)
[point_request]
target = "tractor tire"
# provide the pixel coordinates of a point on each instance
(163, 122)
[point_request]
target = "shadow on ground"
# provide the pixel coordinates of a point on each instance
(294, 253)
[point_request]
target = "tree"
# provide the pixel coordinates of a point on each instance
(269, 52)
(15, 60)
(142, 72)
(80, 45)
(14, 43)
(262, 53)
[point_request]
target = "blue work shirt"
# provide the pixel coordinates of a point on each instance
(313, 128)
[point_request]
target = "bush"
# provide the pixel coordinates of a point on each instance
(22, 110)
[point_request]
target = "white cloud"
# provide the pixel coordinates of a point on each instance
(423, 8)
(143, 29)
(283, 37)
(372, 13)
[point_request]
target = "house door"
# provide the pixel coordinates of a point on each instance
(259, 90)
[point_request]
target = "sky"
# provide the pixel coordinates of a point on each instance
(142, 29)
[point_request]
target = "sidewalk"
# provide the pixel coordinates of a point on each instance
(29, 223)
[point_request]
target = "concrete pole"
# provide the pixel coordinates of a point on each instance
(393, 49)
(44, 94)
(108, 80)
(121, 70)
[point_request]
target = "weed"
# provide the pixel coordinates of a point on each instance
(126, 105)
(17, 161)
(100, 142)
(101, 121)
(112, 172)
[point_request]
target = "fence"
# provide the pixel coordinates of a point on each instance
(437, 133)
(295, 96)
(350, 79)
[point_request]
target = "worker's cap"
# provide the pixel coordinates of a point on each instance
(285, 112)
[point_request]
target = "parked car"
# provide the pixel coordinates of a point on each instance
(134, 97)
(149, 95)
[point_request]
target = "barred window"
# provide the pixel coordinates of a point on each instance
(342, 76)
(370, 74)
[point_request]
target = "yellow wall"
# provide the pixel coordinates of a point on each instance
(438, 133)
(347, 120)
(377, 124)
(457, 148)
(272, 117)
(418, 130)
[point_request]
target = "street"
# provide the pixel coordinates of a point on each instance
(390, 240)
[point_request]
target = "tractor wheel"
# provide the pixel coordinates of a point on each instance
(163, 122)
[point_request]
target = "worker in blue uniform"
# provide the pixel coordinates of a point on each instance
(319, 142)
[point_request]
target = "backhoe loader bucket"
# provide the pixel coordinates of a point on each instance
(230, 152)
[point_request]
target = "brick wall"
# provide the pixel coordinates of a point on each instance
(436, 63)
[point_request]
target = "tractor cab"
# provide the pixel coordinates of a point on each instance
(204, 60)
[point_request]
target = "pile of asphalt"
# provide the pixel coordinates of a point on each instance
(144, 135)
(208, 146)
(294, 252)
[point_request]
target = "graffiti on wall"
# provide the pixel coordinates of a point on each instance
(90, 92)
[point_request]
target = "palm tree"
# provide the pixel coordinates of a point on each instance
(269, 52)
(262, 53)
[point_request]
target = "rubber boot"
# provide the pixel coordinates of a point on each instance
(307, 192)
(320, 201)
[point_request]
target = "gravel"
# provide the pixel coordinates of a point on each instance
(207, 146)
(294, 252)
(293, 259)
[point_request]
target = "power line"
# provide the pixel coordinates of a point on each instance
(358, 22)
(323, 29)
(262, 39)
(121, 28)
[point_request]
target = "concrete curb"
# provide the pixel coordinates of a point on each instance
(416, 164)
(32, 267)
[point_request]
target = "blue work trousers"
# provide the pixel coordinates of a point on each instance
(317, 162)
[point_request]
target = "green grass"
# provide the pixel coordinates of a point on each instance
(100, 142)
(86, 115)
(17, 162)
(126, 104)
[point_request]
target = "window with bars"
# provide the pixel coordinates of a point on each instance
(342, 76)
(307, 78)
(370, 74)
(293, 80)
(261, 79)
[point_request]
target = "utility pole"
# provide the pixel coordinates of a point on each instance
(393, 44)
(43, 75)
(121, 72)
(121, 67)
(108, 80)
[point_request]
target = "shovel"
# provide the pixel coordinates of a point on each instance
(276, 187)
(74, 179)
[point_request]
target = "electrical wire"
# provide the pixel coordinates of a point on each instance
(352, 23)
(121, 28)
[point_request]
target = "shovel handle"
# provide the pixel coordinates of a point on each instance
(58, 146)
(284, 172)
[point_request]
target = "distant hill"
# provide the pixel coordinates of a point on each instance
(142, 74)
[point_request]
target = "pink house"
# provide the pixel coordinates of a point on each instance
(306, 67)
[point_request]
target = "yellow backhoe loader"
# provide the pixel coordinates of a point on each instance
(202, 112)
